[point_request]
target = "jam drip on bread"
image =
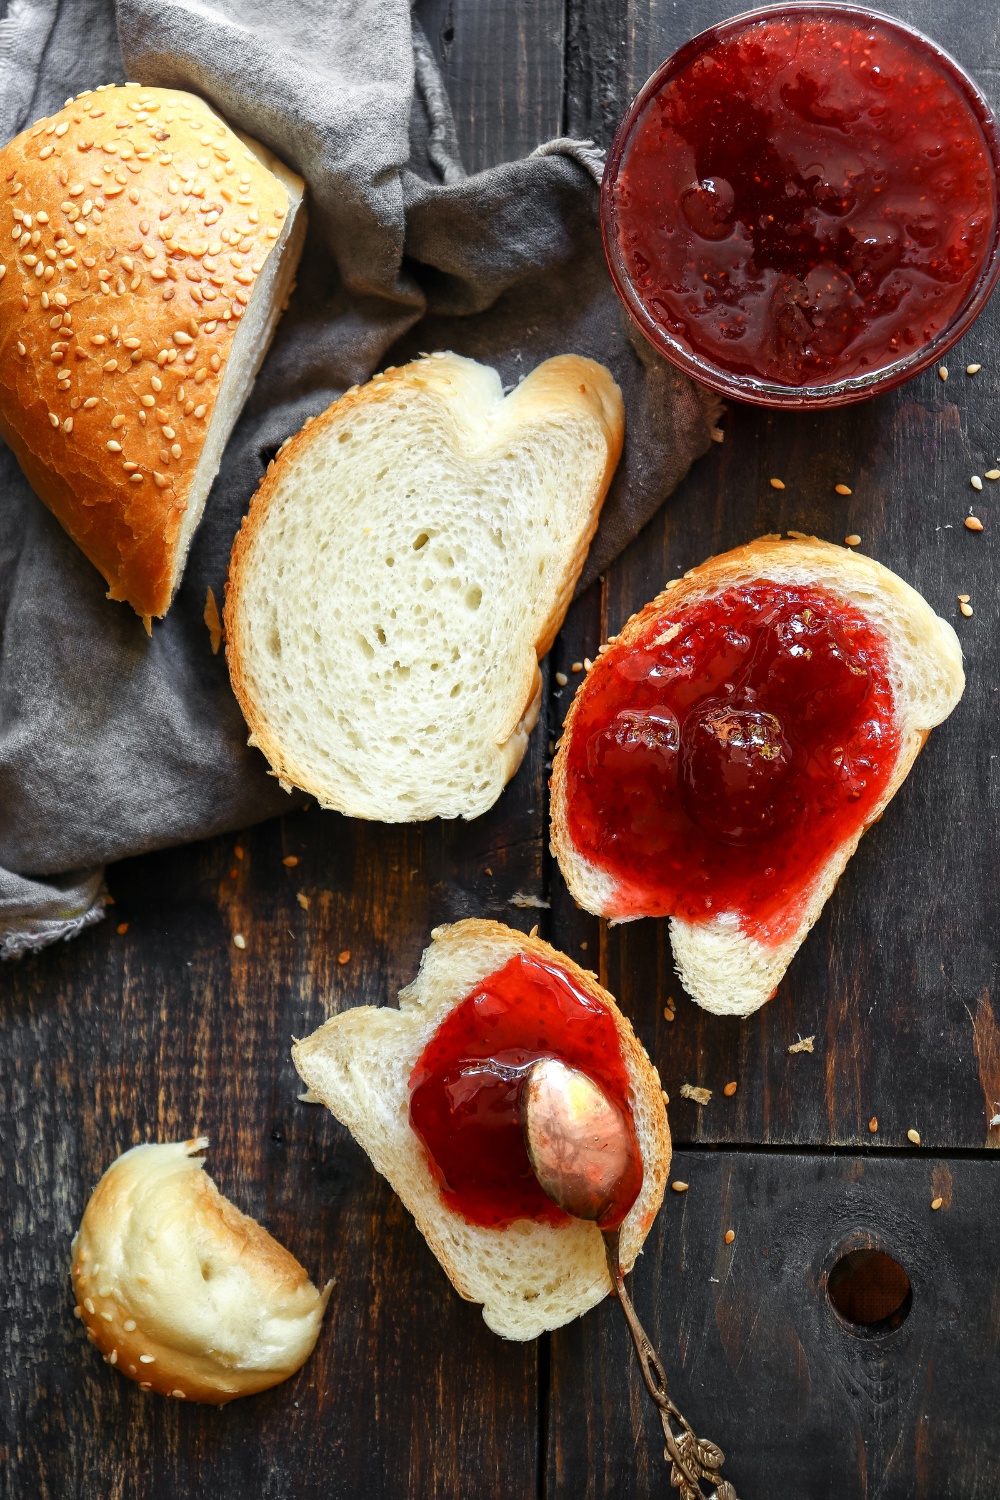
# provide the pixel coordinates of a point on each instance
(465, 1090)
(716, 762)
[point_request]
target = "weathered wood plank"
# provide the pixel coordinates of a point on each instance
(169, 1030)
(502, 62)
(801, 1402)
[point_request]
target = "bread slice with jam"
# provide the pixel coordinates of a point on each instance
(529, 1275)
(730, 746)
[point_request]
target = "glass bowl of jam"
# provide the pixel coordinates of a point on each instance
(800, 208)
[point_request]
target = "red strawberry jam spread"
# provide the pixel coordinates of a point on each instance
(804, 197)
(716, 762)
(465, 1091)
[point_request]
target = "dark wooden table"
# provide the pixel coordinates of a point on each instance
(167, 1029)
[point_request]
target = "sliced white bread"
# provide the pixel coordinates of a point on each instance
(721, 966)
(530, 1277)
(403, 567)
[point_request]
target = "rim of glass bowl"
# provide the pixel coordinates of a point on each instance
(832, 393)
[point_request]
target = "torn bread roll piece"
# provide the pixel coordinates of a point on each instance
(146, 254)
(181, 1291)
(529, 1276)
(405, 564)
(704, 774)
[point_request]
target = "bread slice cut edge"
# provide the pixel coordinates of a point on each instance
(529, 1277)
(724, 969)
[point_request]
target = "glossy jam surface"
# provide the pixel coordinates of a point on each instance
(465, 1091)
(717, 762)
(806, 199)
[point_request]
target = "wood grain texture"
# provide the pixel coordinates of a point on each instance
(502, 62)
(801, 1402)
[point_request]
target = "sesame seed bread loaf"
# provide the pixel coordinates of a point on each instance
(146, 253)
(725, 969)
(182, 1292)
(404, 565)
(529, 1276)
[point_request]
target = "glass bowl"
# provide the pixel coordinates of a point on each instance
(835, 391)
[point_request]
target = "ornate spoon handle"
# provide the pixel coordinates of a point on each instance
(691, 1459)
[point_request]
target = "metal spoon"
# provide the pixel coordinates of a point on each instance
(580, 1146)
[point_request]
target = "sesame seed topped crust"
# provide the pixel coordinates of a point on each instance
(134, 225)
(181, 1291)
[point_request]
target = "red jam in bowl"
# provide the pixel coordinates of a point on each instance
(465, 1090)
(716, 763)
(803, 196)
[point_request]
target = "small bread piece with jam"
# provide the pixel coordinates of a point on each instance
(432, 1092)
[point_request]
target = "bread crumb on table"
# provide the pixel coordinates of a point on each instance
(804, 1044)
(692, 1091)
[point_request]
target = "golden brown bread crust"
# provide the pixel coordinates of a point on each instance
(153, 1318)
(560, 382)
(133, 224)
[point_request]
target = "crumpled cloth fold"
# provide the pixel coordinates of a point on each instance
(112, 743)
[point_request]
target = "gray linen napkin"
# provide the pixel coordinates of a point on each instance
(112, 743)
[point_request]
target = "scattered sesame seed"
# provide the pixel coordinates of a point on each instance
(239, 941)
(853, 540)
(290, 861)
(966, 610)
(873, 1124)
(776, 484)
(976, 482)
(562, 679)
(973, 369)
(344, 957)
(730, 1090)
(730, 1236)
(963, 598)
(679, 1187)
(302, 899)
(993, 473)
(122, 929)
(942, 372)
(843, 489)
(936, 1203)
(914, 1135)
(973, 523)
